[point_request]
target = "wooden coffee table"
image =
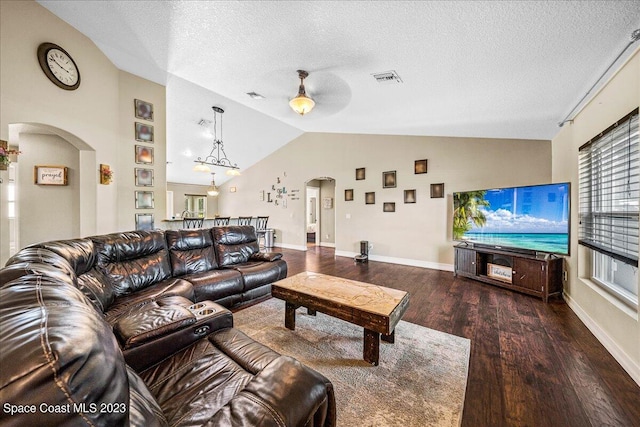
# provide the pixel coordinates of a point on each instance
(376, 308)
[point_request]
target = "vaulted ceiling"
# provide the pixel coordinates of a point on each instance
(498, 69)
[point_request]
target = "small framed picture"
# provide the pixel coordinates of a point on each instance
(144, 221)
(370, 198)
(348, 195)
(437, 191)
(388, 207)
(144, 155)
(389, 179)
(409, 196)
(360, 175)
(420, 166)
(327, 203)
(144, 177)
(144, 110)
(144, 132)
(144, 200)
(50, 175)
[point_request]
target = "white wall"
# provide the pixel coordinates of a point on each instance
(97, 118)
(50, 210)
(417, 234)
(615, 324)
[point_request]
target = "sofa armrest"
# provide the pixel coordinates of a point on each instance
(285, 393)
(150, 323)
(209, 317)
(266, 256)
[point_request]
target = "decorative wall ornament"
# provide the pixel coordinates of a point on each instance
(144, 110)
(389, 179)
(420, 166)
(144, 200)
(144, 177)
(360, 174)
(144, 132)
(437, 191)
(144, 155)
(327, 203)
(370, 198)
(144, 221)
(348, 195)
(50, 175)
(106, 174)
(388, 207)
(409, 196)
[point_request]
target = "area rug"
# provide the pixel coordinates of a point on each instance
(420, 381)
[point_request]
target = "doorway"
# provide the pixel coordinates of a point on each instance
(320, 222)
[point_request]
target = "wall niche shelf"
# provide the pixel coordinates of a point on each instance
(540, 276)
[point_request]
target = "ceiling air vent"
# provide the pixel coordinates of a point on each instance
(387, 77)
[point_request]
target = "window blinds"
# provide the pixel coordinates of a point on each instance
(609, 191)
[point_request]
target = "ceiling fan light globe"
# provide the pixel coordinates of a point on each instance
(213, 191)
(302, 104)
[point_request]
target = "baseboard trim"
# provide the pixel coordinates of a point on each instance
(401, 261)
(327, 244)
(290, 246)
(623, 359)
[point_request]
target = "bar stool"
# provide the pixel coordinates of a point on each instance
(221, 220)
(192, 222)
(244, 220)
(261, 228)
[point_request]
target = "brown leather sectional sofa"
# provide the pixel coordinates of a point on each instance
(133, 329)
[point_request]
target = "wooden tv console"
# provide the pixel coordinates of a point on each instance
(536, 275)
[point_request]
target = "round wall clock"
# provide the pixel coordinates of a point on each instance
(58, 66)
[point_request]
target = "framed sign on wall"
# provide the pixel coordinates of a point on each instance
(50, 175)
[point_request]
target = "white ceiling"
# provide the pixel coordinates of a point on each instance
(497, 69)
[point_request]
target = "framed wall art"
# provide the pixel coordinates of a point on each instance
(144, 110)
(409, 196)
(370, 198)
(50, 175)
(437, 191)
(360, 174)
(106, 174)
(144, 200)
(144, 132)
(144, 177)
(144, 155)
(389, 207)
(144, 221)
(389, 179)
(327, 203)
(420, 166)
(348, 195)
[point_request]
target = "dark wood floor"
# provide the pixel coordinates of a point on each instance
(532, 364)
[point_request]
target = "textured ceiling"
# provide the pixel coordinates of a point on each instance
(502, 69)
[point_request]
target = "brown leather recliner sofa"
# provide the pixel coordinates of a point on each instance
(132, 329)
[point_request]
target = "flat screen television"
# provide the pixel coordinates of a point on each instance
(530, 219)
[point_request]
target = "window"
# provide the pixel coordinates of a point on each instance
(609, 195)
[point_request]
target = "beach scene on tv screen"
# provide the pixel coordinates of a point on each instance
(534, 218)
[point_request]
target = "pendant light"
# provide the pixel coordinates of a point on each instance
(217, 156)
(213, 188)
(302, 104)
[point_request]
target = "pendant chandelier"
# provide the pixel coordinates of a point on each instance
(217, 156)
(213, 188)
(302, 104)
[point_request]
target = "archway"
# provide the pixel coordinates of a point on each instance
(47, 212)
